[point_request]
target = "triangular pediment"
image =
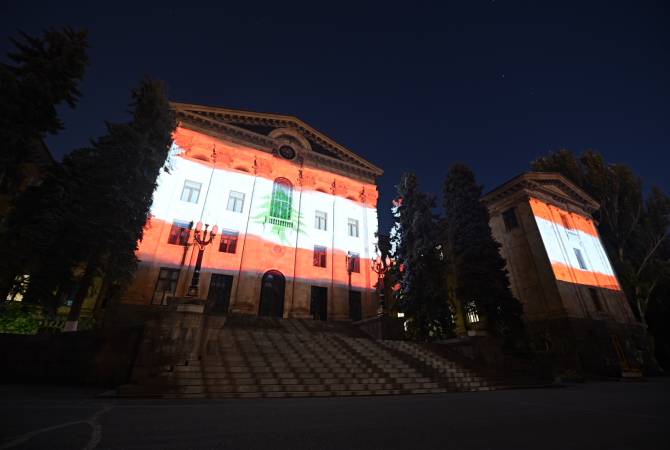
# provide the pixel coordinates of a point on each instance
(263, 128)
(548, 185)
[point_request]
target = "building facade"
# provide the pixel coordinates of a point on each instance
(574, 307)
(295, 216)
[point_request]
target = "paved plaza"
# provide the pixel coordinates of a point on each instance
(612, 415)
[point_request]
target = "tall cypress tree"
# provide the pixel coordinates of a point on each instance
(418, 264)
(479, 270)
(96, 204)
(115, 180)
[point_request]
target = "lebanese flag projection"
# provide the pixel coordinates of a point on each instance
(199, 188)
(574, 247)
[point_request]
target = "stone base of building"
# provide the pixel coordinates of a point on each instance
(581, 348)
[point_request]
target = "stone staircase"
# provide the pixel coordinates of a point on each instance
(247, 356)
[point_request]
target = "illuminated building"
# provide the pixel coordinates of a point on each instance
(574, 307)
(295, 211)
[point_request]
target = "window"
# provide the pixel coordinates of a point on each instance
(165, 286)
(580, 259)
(353, 262)
(320, 256)
(353, 227)
(286, 152)
(595, 298)
(228, 241)
(509, 217)
(191, 191)
(471, 312)
(235, 201)
(280, 207)
(180, 232)
(320, 220)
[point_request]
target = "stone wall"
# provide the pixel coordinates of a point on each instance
(101, 358)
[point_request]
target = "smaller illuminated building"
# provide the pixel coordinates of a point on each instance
(574, 307)
(295, 216)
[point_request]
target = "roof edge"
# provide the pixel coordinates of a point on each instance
(378, 171)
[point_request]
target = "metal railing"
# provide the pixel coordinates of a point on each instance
(277, 221)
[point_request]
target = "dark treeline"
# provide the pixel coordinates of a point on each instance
(449, 265)
(83, 221)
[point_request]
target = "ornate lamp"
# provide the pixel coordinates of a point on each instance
(381, 266)
(202, 239)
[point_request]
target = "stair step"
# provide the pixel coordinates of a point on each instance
(267, 357)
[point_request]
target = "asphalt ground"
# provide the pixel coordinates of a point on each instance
(613, 415)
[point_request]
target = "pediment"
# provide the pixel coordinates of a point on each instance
(547, 185)
(270, 130)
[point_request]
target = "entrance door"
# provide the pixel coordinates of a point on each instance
(319, 304)
(218, 297)
(272, 294)
(355, 313)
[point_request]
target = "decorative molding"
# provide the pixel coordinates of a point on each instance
(223, 119)
(534, 183)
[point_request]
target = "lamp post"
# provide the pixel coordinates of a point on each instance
(202, 239)
(381, 266)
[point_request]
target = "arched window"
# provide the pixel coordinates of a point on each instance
(280, 207)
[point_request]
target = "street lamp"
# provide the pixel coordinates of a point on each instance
(202, 239)
(381, 266)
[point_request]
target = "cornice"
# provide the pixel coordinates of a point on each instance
(533, 183)
(226, 131)
(223, 115)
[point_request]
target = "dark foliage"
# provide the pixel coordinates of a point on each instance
(479, 273)
(44, 73)
(87, 217)
(419, 265)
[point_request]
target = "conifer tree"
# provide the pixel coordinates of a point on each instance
(418, 265)
(95, 205)
(115, 181)
(45, 72)
(478, 268)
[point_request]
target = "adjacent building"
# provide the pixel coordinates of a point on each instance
(295, 216)
(574, 307)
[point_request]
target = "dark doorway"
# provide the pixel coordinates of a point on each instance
(318, 307)
(218, 297)
(272, 294)
(355, 313)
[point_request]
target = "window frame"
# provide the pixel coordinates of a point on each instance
(281, 208)
(320, 256)
(320, 216)
(353, 262)
(183, 236)
(510, 219)
(191, 189)
(580, 259)
(356, 226)
(231, 238)
(172, 283)
(237, 198)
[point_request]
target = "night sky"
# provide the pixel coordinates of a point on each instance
(493, 84)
